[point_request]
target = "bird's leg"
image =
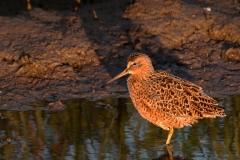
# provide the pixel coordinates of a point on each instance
(77, 5)
(170, 133)
(29, 7)
(170, 152)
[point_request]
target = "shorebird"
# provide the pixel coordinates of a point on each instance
(166, 100)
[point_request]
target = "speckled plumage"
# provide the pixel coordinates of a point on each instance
(164, 99)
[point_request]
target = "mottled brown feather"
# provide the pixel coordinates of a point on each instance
(164, 99)
(167, 100)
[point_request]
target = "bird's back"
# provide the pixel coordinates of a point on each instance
(167, 100)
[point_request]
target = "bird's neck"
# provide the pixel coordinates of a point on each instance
(145, 73)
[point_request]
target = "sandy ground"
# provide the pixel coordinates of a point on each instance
(54, 53)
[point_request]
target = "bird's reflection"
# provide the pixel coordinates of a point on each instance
(170, 156)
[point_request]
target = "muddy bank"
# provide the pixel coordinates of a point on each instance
(54, 53)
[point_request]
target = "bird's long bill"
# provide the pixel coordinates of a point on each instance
(123, 73)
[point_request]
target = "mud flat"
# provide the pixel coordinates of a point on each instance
(54, 53)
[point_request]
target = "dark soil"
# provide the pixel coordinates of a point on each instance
(54, 53)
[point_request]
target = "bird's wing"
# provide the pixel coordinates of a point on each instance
(180, 102)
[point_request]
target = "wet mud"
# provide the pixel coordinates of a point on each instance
(54, 53)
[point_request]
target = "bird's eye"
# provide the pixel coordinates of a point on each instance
(134, 64)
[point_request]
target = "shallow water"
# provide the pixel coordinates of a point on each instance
(111, 128)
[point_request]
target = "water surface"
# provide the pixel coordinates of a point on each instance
(111, 128)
